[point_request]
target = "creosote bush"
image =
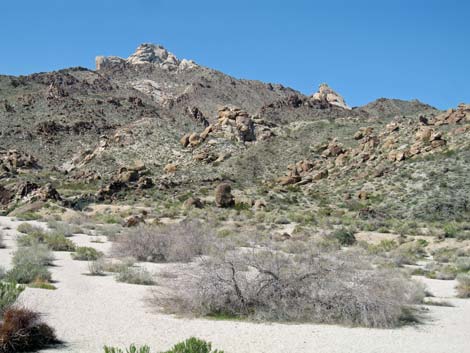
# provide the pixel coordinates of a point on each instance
(23, 331)
(172, 243)
(335, 287)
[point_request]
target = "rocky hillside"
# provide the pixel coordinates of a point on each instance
(153, 123)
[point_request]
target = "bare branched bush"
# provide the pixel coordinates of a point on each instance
(335, 287)
(171, 243)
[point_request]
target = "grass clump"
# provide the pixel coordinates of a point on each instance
(135, 275)
(86, 253)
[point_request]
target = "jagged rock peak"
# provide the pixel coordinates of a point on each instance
(147, 53)
(326, 94)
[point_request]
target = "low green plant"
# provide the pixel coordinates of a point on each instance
(86, 253)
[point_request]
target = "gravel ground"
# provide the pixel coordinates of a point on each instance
(89, 312)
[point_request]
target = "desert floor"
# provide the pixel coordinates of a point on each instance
(89, 312)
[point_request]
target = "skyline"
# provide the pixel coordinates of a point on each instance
(363, 50)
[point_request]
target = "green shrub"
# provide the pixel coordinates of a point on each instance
(193, 345)
(25, 273)
(135, 276)
(344, 236)
(58, 242)
(9, 292)
(86, 253)
(55, 241)
(2, 244)
(27, 228)
(37, 254)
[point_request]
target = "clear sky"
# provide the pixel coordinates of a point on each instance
(365, 49)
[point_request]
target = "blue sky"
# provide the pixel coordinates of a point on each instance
(364, 49)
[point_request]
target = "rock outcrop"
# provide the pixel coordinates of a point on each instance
(326, 94)
(147, 53)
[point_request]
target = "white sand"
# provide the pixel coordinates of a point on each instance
(89, 312)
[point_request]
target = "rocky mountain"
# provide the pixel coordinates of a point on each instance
(155, 123)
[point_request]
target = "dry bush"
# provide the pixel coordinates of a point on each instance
(171, 243)
(335, 287)
(23, 331)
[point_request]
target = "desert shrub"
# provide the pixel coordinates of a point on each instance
(86, 253)
(463, 285)
(444, 254)
(25, 273)
(9, 292)
(135, 275)
(408, 253)
(96, 268)
(23, 331)
(463, 264)
(58, 242)
(334, 287)
(37, 254)
(132, 349)
(27, 228)
(55, 241)
(172, 243)
(64, 228)
(193, 345)
(344, 236)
